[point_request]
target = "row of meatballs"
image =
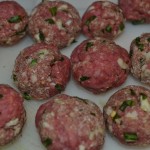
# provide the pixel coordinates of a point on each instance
(73, 123)
(59, 22)
(97, 64)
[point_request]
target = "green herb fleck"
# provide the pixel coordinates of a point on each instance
(1, 96)
(15, 19)
(14, 77)
(47, 142)
(89, 20)
(121, 27)
(108, 28)
(41, 36)
(143, 96)
(33, 62)
(59, 87)
(130, 137)
(26, 96)
(125, 104)
(50, 21)
(136, 22)
(141, 47)
(88, 45)
(84, 78)
(53, 11)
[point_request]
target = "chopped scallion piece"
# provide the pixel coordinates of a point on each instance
(108, 28)
(41, 36)
(89, 20)
(84, 78)
(33, 62)
(59, 87)
(122, 26)
(143, 96)
(47, 142)
(53, 11)
(125, 104)
(116, 117)
(88, 45)
(130, 137)
(26, 96)
(148, 39)
(15, 19)
(50, 21)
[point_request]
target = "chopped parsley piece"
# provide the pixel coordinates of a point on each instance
(84, 78)
(131, 53)
(14, 19)
(26, 96)
(1, 96)
(41, 36)
(121, 27)
(59, 87)
(136, 22)
(53, 11)
(88, 45)
(108, 28)
(125, 104)
(89, 20)
(33, 62)
(47, 142)
(130, 137)
(50, 21)
(142, 61)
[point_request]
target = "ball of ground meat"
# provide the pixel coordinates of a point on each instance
(13, 22)
(99, 64)
(12, 114)
(136, 11)
(127, 115)
(41, 72)
(70, 123)
(140, 58)
(103, 19)
(56, 22)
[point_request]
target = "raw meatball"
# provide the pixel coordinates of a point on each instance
(100, 64)
(70, 123)
(140, 58)
(41, 72)
(136, 11)
(12, 114)
(127, 115)
(56, 22)
(13, 22)
(103, 19)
